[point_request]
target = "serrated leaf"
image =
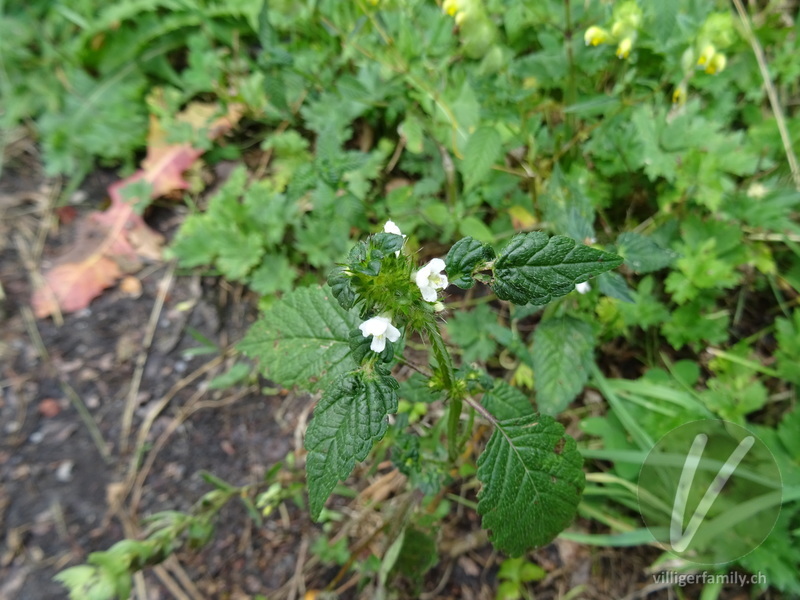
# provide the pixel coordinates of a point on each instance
(275, 274)
(462, 260)
(483, 149)
(642, 254)
(303, 339)
(534, 268)
(506, 402)
(562, 351)
(532, 482)
(238, 253)
(349, 419)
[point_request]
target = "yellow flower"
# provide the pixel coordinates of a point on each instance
(624, 48)
(716, 64)
(450, 7)
(596, 36)
(706, 55)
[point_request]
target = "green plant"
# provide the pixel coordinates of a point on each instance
(108, 573)
(646, 125)
(530, 469)
(513, 575)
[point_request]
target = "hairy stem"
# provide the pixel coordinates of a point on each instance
(447, 372)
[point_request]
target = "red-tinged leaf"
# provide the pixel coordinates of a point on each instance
(112, 243)
(72, 286)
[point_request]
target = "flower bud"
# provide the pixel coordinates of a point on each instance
(717, 64)
(688, 60)
(624, 48)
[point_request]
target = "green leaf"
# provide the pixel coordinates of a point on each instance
(484, 148)
(614, 286)
(275, 274)
(787, 332)
(238, 253)
(532, 483)
(563, 350)
(476, 332)
(534, 268)
(342, 288)
(473, 226)
(464, 258)
(349, 419)
(412, 129)
(506, 402)
(303, 339)
(238, 372)
(642, 254)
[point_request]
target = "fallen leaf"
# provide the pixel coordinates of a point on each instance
(116, 241)
(66, 214)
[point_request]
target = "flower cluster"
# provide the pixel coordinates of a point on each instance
(429, 279)
(716, 34)
(627, 19)
(459, 9)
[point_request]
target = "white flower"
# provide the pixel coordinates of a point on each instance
(381, 329)
(430, 278)
(582, 288)
(391, 227)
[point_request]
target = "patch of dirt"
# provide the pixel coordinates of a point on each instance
(65, 468)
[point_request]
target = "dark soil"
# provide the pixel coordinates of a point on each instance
(60, 497)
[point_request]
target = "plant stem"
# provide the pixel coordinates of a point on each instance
(453, 418)
(445, 368)
(443, 360)
(572, 90)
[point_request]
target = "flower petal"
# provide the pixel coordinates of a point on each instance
(436, 265)
(428, 293)
(378, 343)
(422, 276)
(392, 333)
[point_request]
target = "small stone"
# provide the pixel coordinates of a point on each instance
(36, 437)
(64, 471)
(131, 286)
